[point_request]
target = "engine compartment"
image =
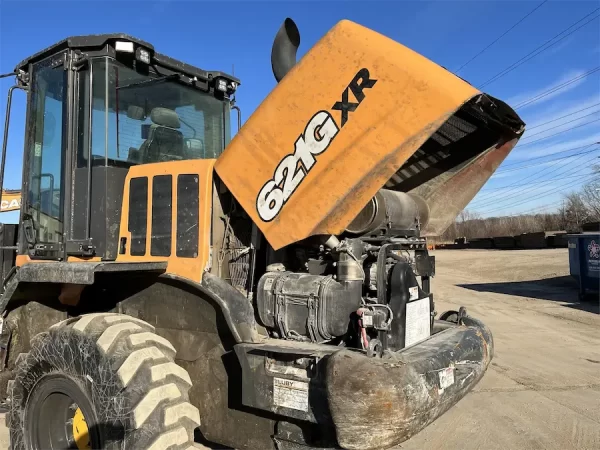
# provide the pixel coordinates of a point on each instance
(357, 294)
(366, 289)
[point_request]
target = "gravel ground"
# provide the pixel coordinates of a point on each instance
(542, 390)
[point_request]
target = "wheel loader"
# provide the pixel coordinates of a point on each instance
(168, 284)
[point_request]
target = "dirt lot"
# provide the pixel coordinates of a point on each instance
(542, 390)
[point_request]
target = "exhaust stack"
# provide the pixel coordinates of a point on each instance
(285, 46)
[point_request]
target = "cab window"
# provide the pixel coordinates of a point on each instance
(139, 119)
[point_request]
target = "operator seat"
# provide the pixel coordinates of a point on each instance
(165, 141)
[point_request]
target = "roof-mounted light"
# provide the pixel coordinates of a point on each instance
(222, 85)
(124, 46)
(142, 55)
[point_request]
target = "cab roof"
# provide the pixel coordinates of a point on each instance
(96, 42)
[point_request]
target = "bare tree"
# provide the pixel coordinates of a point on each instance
(590, 195)
(575, 211)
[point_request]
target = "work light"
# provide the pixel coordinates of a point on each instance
(142, 55)
(222, 85)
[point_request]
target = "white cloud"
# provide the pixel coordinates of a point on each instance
(498, 175)
(520, 98)
(557, 48)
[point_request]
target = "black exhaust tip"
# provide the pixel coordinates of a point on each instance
(285, 46)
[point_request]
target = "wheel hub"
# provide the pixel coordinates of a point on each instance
(59, 415)
(81, 434)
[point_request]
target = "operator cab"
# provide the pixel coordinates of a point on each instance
(98, 105)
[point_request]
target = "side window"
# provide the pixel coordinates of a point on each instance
(46, 155)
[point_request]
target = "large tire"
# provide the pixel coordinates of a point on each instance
(117, 373)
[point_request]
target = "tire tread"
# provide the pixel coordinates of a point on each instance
(140, 355)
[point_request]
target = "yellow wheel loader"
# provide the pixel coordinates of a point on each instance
(168, 284)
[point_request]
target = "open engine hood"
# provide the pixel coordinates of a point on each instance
(360, 112)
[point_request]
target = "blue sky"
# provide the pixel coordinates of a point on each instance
(219, 35)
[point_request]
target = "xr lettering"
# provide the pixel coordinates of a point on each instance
(359, 83)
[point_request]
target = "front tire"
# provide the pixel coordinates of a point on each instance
(101, 381)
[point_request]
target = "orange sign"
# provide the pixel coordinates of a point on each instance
(11, 201)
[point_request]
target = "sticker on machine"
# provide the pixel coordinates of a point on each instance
(446, 377)
(418, 321)
(268, 284)
(413, 292)
(290, 394)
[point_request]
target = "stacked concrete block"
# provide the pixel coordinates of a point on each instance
(505, 242)
(557, 239)
(481, 243)
(533, 240)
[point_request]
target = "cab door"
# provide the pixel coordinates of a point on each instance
(44, 173)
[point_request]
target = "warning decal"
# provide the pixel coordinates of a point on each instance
(290, 394)
(418, 321)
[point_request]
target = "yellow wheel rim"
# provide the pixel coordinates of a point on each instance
(81, 433)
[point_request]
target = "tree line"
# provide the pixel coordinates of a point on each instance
(575, 209)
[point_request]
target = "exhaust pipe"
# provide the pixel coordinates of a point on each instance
(390, 210)
(285, 46)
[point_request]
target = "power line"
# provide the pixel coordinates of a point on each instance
(562, 117)
(537, 210)
(560, 132)
(537, 186)
(544, 194)
(541, 48)
(493, 197)
(527, 184)
(551, 191)
(554, 89)
(550, 160)
(545, 156)
(582, 153)
(560, 125)
(501, 36)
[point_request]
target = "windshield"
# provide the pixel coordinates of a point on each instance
(139, 119)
